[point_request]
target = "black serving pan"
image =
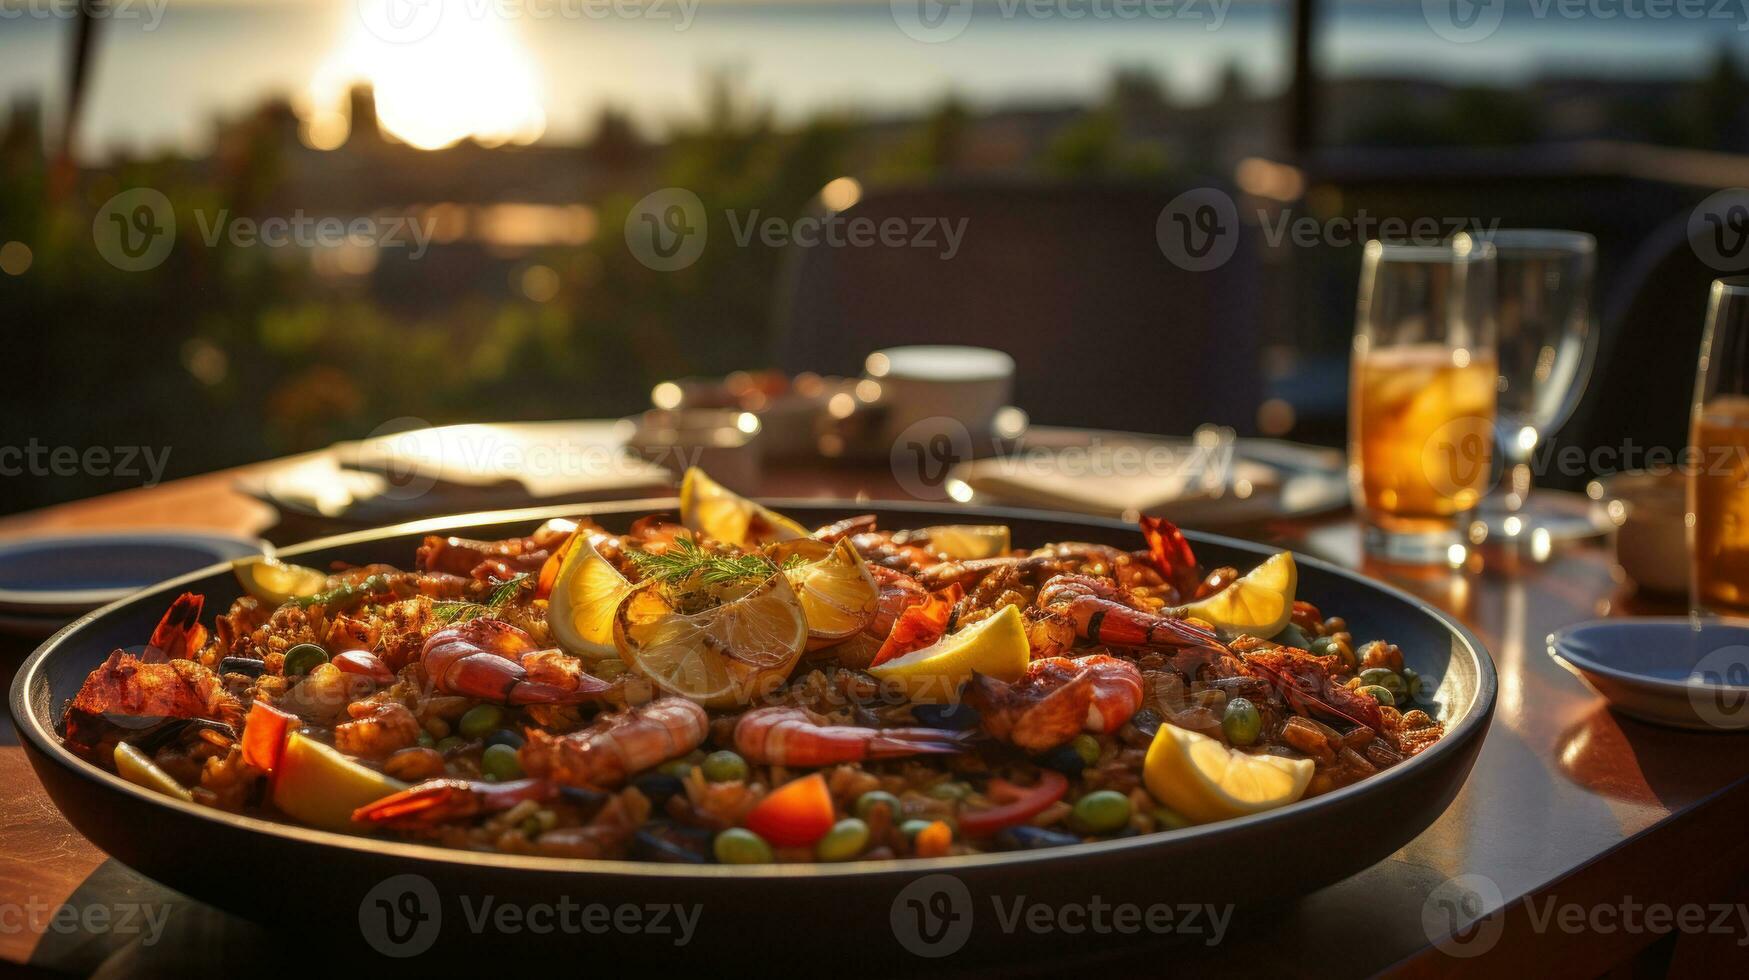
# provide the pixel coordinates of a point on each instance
(426, 906)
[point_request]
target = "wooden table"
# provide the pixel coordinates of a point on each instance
(1580, 818)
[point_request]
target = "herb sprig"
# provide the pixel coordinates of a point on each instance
(685, 559)
(459, 611)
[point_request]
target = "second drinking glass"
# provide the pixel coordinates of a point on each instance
(1422, 395)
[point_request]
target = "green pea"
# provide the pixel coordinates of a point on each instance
(724, 767)
(949, 791)
(1411, 684)
(1241, 723)
(866, 803)
(1380, 694)
(1166, 818)
(481, 720)
(911, 828)
(678, 768)
(303, 658)
(1087, 747)
(738, 845)
(1385, 678)
(844, 841)
(500, 762)
(1101, 812)
(450, 743)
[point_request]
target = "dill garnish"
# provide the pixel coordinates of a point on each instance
(685, 560)
(457, 611)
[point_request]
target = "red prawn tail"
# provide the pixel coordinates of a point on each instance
(179, 635)
(428, 802)
(896, 742)
(1171, 553)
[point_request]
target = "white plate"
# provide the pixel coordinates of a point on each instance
(71, 573)
(1668, 670)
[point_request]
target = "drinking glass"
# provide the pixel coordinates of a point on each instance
(1422, 397)
(1718, 472)
(1546, 343)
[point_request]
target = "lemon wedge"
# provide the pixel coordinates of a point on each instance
(585, 595)
(135, 766)
(837, 593)
(995, 647)
(1206, 781)
(321, 786)
(710, 508)
(1260, 602)
(276, 582)
(965, 542)
(722, 656)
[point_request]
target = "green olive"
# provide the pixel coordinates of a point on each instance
(724, 767)
(844, 841)
(1087, 747)
(1411, 684)
(500, 762)
(1101, 812)
(1385, 678)
(950, 791)
(867, 802)
(738, 845)
(1166, 818)
(1378, 693)
(481, 720)
(1241, 723)
(302, 659)
(911, 828)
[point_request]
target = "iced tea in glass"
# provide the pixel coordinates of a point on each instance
(1718, 478)
(1422, 395)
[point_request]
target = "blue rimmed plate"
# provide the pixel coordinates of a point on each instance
(58, 576)
(1669, 670)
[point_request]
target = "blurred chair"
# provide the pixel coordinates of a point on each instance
(1067, 278)
(1643, 379)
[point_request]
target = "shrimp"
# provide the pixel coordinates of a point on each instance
(441, 800)
(492, 660)
(1057, 699)
(618, 744)
(1093, 607)
(376, 729)
(126, 687)
(179, 635)
(798, 737)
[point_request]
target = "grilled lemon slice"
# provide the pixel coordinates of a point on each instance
(712, 509)
(837, 593)
(585, 595)
(722, 656)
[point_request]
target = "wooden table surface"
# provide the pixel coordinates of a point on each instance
(1581, 818)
